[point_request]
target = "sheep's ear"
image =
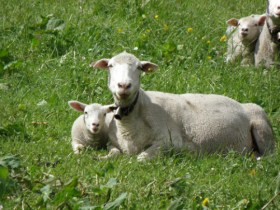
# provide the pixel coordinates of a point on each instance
(102, 64)
(147, 66)
(232, 22)
(77, 105)
(110, 108)
(261, 20)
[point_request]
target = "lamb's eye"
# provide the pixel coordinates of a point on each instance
(86, 112)
(110, 65)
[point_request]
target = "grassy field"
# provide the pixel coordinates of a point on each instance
(46, 48)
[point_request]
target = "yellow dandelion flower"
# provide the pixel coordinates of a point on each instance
(205, 202)
(189, 30)
(156, 17)
(253, 172)
(148, 30)
(209, 58)
(120, 30)
(223, 38)
(208, 42)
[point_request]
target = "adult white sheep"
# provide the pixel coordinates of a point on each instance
(147, 121)
(91, 128)
(261, 126)
(243, 34)
(267, 50)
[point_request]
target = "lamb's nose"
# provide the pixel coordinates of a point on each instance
(124, 86)
(245, 29)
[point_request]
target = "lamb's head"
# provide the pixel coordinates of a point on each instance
(249, 27)
(124, 76)
(94, 114)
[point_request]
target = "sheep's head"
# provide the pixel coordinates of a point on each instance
(273, 9)
(124, 76)
(94, 114)
(249, 28)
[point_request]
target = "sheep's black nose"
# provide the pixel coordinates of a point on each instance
(124, 85)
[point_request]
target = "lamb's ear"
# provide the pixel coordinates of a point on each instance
(147, 66)
(232, 22)
(77, 105)
(102, 64)
(261, 20)
(110, 108)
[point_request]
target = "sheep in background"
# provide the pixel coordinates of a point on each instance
(243, 34)
(148, 121)
(267, 50)
(91, 128)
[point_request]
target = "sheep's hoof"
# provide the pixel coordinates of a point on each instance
(143, 157)
(97, 158)
(77, 152)
(78, 149)
(102, 157)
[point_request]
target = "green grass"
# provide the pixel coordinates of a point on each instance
(38, 169)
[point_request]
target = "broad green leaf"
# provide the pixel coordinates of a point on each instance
(46, 191)
(11, 161)
(69, 191)
(116, 203)
(4, 173)
(55, 25)
(110, 184)
(176, 204)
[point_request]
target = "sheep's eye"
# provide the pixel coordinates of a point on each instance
(86, 112)
(110, 65)
(104, 114)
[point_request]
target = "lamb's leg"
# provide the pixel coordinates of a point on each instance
(77, 148)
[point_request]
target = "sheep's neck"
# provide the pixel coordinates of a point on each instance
(125, 111)
(274, 31)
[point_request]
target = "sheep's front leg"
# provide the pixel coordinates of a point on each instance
(113, 152)
(77, 148)
(150, 153)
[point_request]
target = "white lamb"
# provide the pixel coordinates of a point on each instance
(91, 128)
(267, 50)
(243, 35)
(148, 121)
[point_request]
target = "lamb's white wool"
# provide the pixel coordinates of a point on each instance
(243, 34)
(267, 50)
(91, 128)
(148, 121)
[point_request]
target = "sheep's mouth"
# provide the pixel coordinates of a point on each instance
(277, 14)
(122, 96)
